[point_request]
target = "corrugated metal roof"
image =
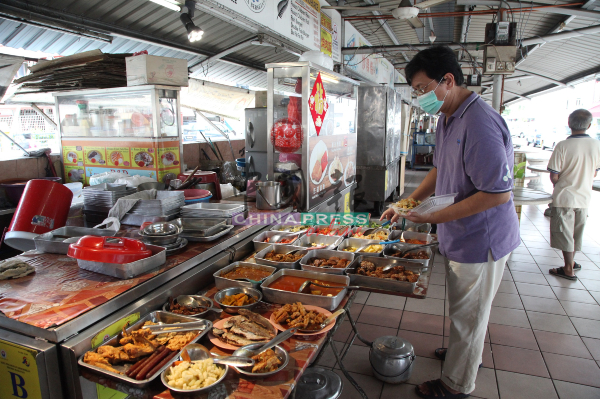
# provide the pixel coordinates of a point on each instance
(562, 60)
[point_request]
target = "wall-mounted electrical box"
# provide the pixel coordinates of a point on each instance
(501, 33)
(499, 59)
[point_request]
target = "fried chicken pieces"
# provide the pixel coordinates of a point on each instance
(267, 361)
(295, 315)
(398, 273)
(135, 345)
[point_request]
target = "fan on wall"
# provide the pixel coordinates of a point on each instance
(406, 10)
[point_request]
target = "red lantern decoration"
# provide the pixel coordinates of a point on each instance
(287, 135)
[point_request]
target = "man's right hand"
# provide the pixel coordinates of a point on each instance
(390, 214)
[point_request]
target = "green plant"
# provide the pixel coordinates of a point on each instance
(519, 170)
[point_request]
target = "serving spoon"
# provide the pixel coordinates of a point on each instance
(202, 353)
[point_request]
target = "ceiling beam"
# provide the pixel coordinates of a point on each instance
(590, 30)
(73, 20)
(210, 61)
(409, 47)
(489, 93)
(553, 10)
(546, 78)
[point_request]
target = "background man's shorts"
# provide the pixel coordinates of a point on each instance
(566, 228)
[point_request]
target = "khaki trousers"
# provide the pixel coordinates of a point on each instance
(471, 289)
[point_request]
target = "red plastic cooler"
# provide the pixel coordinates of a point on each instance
(43, 207)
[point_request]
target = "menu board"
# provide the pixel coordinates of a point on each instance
(19, 372)
(118, 157)
(94, 155)
(143, 157)
(326, 35)
(168, 157)
(75, 173)
(331, 166)
(300, 21)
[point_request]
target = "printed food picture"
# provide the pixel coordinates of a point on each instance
(318, 162)
(117, 158)
(336, 171)
(169, 158)
(72, 157)
(143, 159)
(95, 157)
(349, 174)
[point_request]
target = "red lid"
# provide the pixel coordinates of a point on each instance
(116, 251)
(193, 194)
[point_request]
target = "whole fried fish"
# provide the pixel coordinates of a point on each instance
(231, 338)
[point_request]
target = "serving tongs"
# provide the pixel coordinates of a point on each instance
(201, 353)
(305, 287)
(182, 327)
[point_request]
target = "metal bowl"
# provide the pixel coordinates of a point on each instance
(281, 354)
(160, 240)
(152, 185)
(199, 298)
(160, 229)
(194, 355)
(236, 290)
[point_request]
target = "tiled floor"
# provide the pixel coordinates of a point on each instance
(544, 332)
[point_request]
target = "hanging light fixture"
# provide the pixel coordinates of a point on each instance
(195, 33)
(432, 37)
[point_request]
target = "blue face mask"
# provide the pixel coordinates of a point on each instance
(429, 101)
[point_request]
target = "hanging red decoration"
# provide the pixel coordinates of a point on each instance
(317, 103)
(287, 135)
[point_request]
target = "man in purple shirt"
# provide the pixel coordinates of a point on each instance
(474, 160)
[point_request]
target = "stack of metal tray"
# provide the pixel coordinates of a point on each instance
(201, 226)
(54, 242)
(165, 203)
(158, 317)
(370, 282)
(211, 210)
(102, 197)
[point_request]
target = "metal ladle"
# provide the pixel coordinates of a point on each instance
(308, 283)
(202, 353)
(191, 302)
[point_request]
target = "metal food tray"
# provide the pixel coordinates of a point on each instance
(346, 229)
(356, 242)
(279, 248)
(331, 242)
(106, 187)
(225, 229)
(138, 220)
(213, 209)
(364, 228)
(390, 248)
(48, 244)
(395, 235)
(409, 226)
(283, 297)
(224, 283)
(279, 227)
(159, 317)
(259, 243)
(369, 282)
(325, 254)
(130, 270)
(200, 226)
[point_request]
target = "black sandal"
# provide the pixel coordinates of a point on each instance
(437, 390)
(561, 274)
(440, 353)
(577, 267)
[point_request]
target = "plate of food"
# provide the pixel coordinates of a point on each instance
(95, 157)
(403, 206)
(117, 158)
(336, 171)
(301, 316)
(349, 173)
(243, 329)
(72, 157)
(169, 158)
(318, 162)
(143, 159)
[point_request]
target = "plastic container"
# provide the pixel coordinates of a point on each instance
(14, 188)
(43, 207)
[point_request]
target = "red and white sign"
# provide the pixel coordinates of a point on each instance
(318, 104)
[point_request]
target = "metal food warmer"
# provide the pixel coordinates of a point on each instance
(131, 130)
(380, 144)
(38, 362)
(314, 110)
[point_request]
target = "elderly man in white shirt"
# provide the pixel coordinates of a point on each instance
(573, 166)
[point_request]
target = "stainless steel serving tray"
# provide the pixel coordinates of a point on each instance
(391, 248)
(224, 283)
(130, 270)
(410, 226)
(212, 210)
(259, 243)
(345, 229)
(331, 242)
(410, 235)
(283, 228)
(355, 242)
(47, 242)
(224, 230)
(369, 282)
(138, 220)
(364, 228)
(279, 249)
(284, 297)
(201, 226)
(325, 254)
(159, 317)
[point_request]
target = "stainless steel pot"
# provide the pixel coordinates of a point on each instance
(269, 196)
(392, 359)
